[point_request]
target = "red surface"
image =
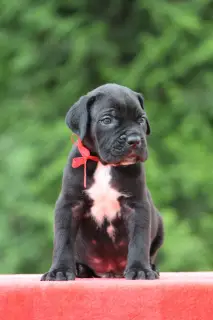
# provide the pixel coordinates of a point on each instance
(178, 296)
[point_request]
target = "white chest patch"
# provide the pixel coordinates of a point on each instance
(105, 198)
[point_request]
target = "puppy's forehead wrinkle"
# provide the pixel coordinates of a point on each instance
(117, 107)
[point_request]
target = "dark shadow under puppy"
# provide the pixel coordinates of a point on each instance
(106, 224)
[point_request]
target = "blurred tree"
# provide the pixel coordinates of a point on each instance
(53, 52)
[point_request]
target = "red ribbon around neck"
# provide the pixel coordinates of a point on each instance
(79, 161)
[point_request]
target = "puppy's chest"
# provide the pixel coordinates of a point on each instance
(105, 198)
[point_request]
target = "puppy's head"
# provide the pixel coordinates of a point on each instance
(112, 122)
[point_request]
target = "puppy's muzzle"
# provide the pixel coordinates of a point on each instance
(135, 145)
(134, 140)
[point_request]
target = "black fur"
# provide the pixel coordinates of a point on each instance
(107, 120)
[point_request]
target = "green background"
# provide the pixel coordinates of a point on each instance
(52, 52)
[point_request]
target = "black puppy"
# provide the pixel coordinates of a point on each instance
(105, 222)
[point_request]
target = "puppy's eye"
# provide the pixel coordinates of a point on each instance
(141, 121)
(106, 120)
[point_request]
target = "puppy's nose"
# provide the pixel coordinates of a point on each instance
(133, 140)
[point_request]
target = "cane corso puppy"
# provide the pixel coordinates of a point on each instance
(106, 224)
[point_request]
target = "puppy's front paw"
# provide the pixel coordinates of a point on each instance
(58, 275)
(140, 273)
(155, 269)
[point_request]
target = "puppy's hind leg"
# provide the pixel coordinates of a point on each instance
(83, 271)
(156, 244)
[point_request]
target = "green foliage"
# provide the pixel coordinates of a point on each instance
(53, 52)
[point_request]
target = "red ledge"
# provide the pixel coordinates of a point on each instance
(176, 296)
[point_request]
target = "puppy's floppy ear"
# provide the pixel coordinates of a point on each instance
(141, 100)
(77, 117)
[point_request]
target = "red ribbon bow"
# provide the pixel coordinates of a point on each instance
(79, 161)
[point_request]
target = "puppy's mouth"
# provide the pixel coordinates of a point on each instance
(129, 160)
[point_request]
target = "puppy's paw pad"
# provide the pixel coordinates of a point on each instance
(140, 274)
(58, 275)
